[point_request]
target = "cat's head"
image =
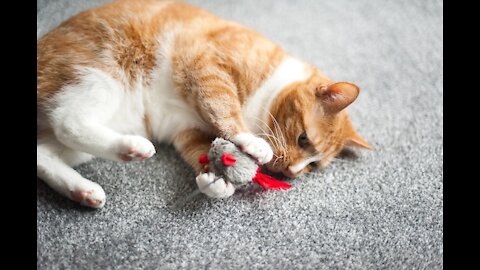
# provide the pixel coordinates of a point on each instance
(310, 126)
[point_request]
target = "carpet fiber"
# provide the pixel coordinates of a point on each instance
(368, 210)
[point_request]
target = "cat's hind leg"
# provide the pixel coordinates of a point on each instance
(86, 118)
(54, 167)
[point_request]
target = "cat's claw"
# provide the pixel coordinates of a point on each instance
(94, 197)
(219, 189)
(254, 146)
(133, 148)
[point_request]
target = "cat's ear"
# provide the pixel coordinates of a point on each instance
(337, 96)
(355, 140)
(352, 138)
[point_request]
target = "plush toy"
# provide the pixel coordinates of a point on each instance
(230, 163)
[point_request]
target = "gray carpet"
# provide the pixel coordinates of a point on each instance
(370, 210)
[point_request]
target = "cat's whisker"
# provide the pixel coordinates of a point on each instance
(277, 134)
(263, 122)
(277, 157)
(276, 160)
(278, 129)
(269, 136)
(260, 127)
(274, 142)
(278, 144)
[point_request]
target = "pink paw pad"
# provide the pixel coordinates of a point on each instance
(132, 148)
(133, 154)
(84, 197)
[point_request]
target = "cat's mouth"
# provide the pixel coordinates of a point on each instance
(290, 174)
(274, 169)
(291, 171)
(285, 170)
(294, 174)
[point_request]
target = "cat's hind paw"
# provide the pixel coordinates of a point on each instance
(209, 185)
(93, 197)
(254, 146)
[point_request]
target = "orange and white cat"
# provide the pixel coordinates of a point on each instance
(112, 79)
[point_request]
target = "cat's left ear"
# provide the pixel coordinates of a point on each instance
(337, 96)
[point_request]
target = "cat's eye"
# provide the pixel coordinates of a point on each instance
(303, 140)
(313, 165)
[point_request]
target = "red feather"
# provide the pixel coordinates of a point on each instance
(268, 182)
(203, 159)
(228, 160)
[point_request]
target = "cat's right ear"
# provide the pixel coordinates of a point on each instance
(337, 96)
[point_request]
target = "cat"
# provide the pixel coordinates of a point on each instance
(112, 79)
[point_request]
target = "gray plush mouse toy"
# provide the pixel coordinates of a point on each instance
(230, 163)
(227, 161)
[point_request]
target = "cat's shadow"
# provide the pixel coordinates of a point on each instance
(188, 199)
(185, 203)
(184, 200)
(185, 197)
(348, 154)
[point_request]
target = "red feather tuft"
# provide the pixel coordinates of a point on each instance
(268, 182)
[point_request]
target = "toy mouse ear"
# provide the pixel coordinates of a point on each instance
(228, 160)
(203, 159)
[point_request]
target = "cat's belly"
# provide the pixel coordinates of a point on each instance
(156, 111)
(167, 112)
(158, 114)
(168, 115)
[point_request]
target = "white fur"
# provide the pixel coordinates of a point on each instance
(258, 105)
(302, 164)
(169, 113)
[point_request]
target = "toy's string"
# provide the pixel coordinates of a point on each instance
(184, 200)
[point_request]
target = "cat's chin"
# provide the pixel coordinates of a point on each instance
(273, 169)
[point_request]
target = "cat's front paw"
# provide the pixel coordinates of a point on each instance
(214, 188)
(133, 147)
(254, 146)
